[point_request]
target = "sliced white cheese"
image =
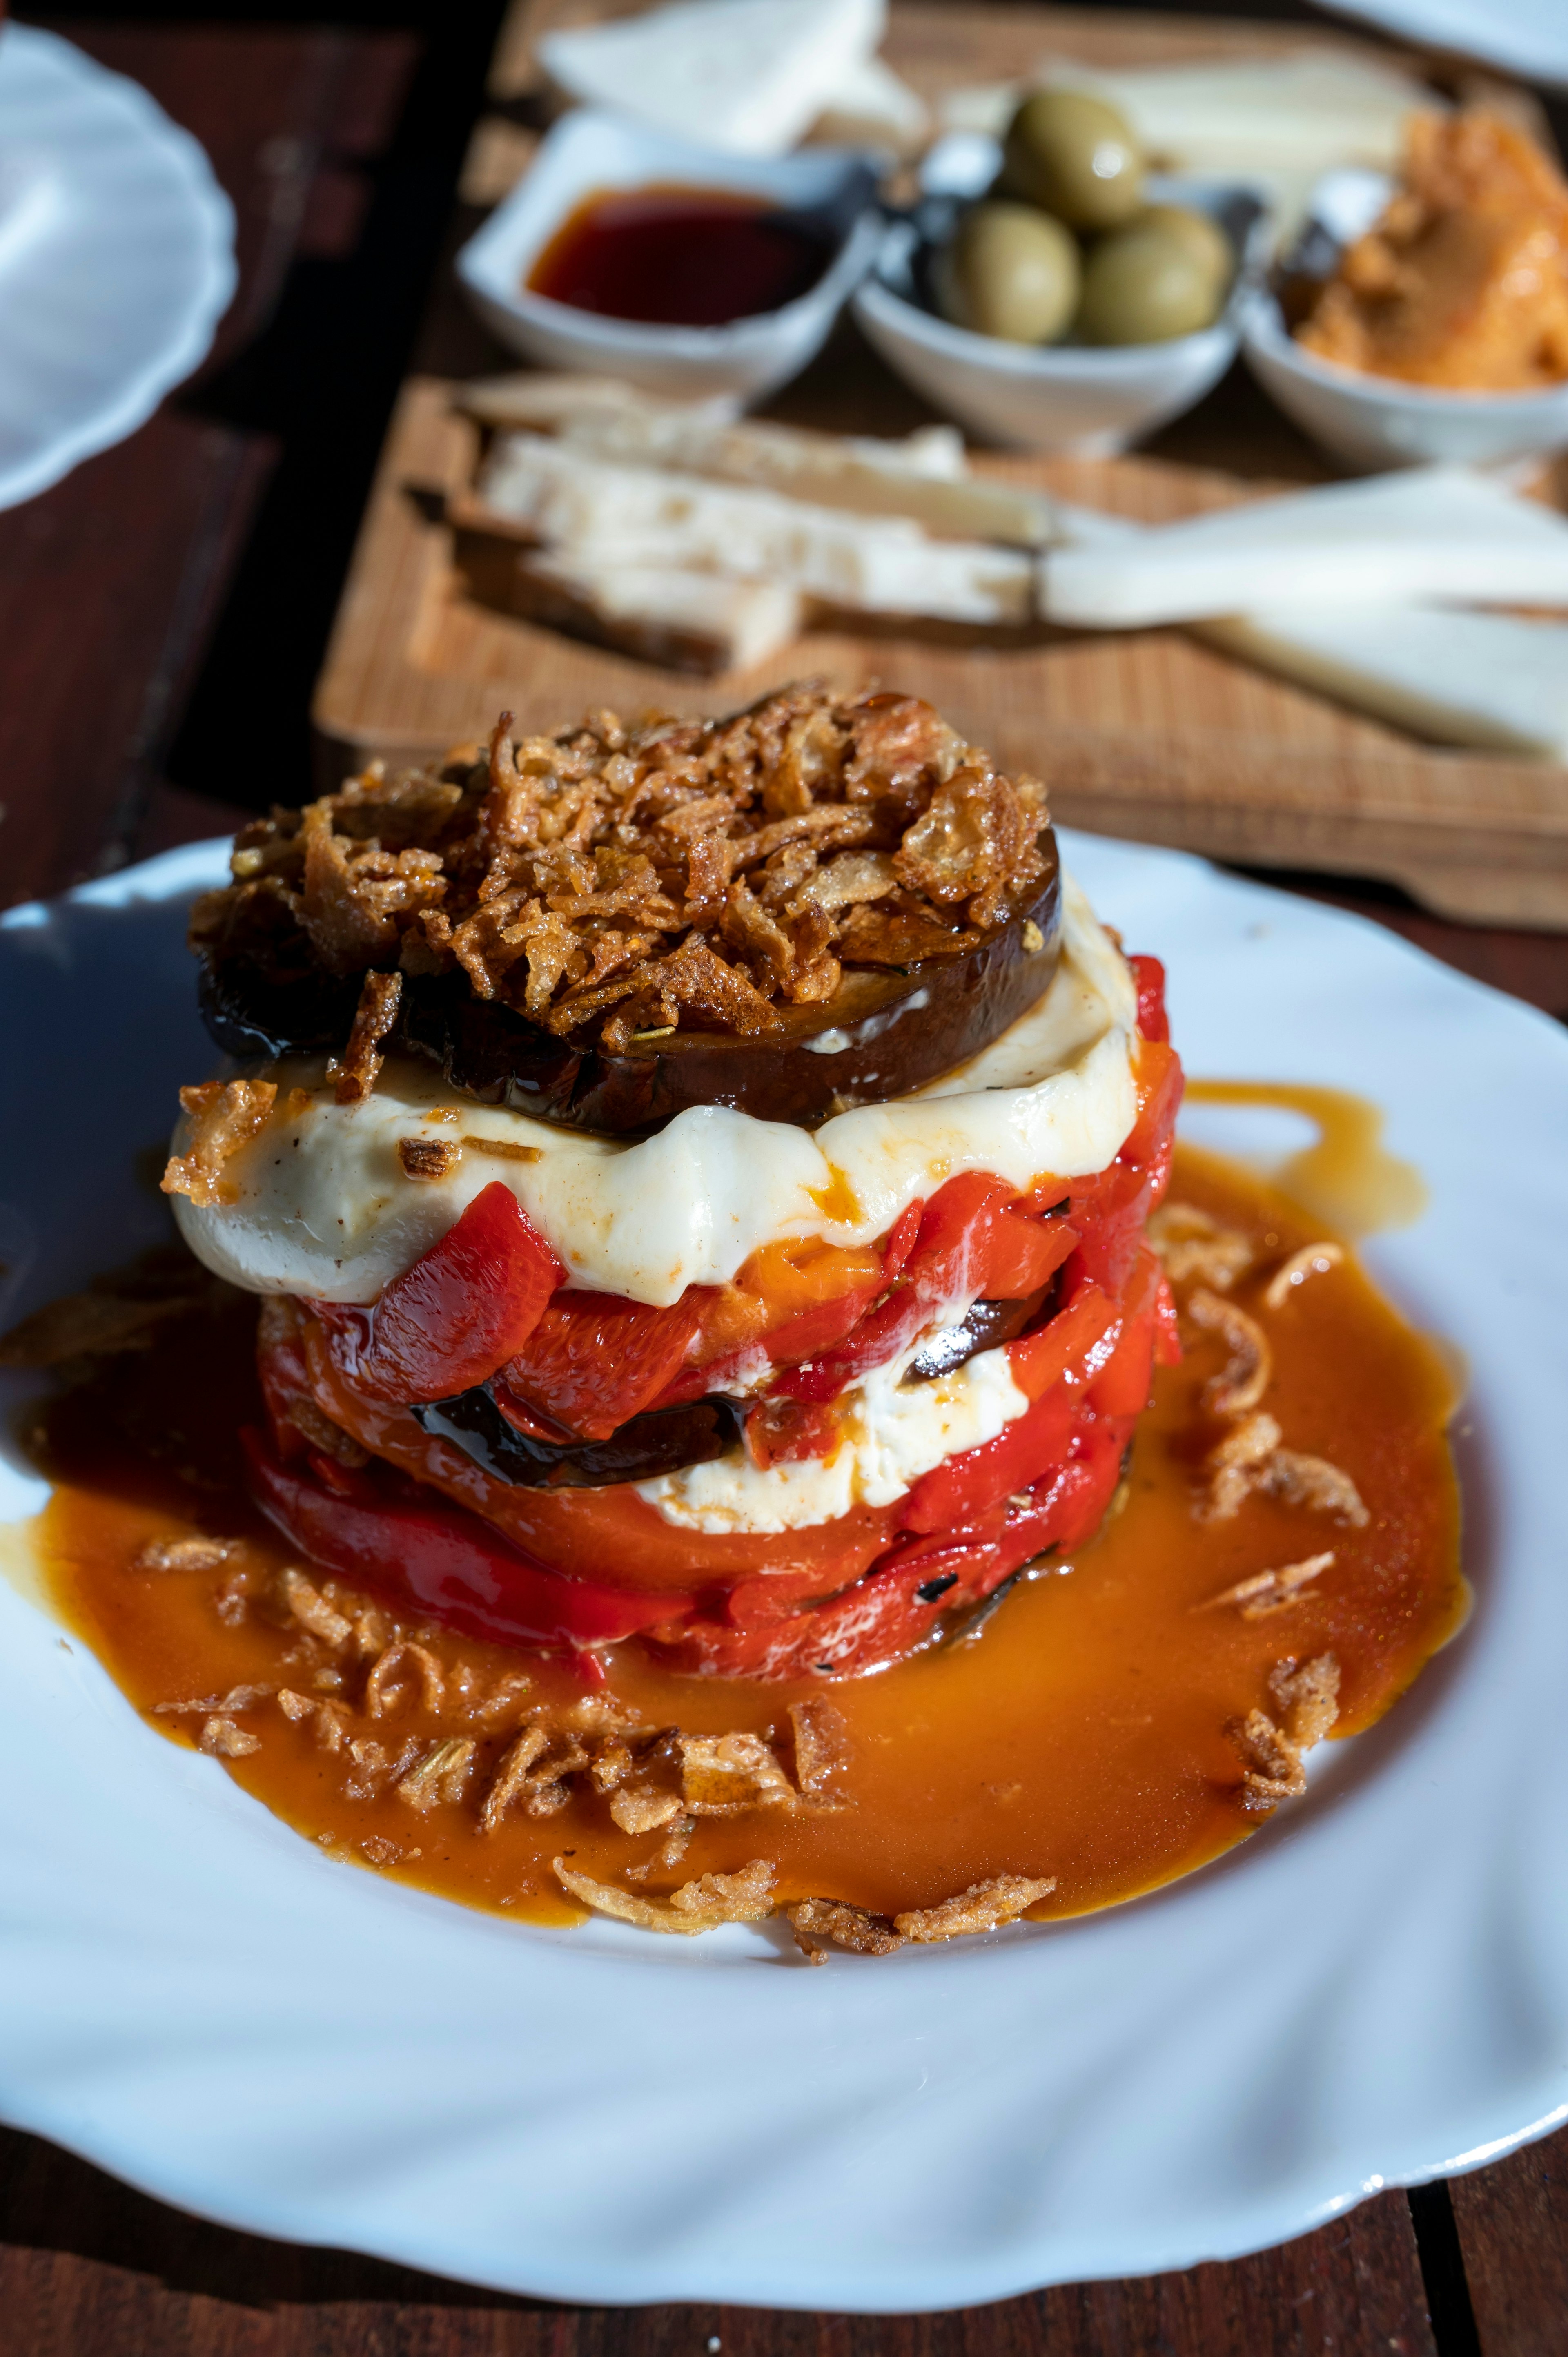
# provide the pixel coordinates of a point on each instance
(748, 76)
(324, 1210)
(861, 477)
(924, 476)
(645, 516)
(687, 621)
(1464, 679)
(893, 1433)
(1431, 535)
(1314, 109)
(1461, 678)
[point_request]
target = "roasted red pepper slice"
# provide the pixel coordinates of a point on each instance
(439, 1560)
(460, 1313)
(1075, 1341)
(786, 1431)
(964, 1487)
(972, 1242)
(596, 1360)
(1149, 974)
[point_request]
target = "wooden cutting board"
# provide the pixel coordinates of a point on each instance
(1147, 735)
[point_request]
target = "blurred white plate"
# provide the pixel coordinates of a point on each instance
(1528, 36)
(1371, 1990)
(116, 258)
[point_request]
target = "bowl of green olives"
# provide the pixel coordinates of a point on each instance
(1051, 293)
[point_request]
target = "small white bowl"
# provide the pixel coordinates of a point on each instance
(1375, 422)
(1088, 400)
(589, 150)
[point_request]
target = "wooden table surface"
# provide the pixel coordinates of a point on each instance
(161, 613)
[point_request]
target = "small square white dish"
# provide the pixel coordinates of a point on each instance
(1091, 401)
(1373, 422)
(116, 258)
(589, 151)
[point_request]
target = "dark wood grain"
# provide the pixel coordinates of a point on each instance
(1512, 2220)
(109, 583)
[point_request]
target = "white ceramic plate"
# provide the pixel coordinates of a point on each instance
(1528, 36)
(116, 258)
(1373, 1990)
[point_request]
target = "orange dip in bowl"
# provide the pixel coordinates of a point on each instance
(1463, 284)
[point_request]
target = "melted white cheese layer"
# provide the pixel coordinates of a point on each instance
(324, 1210)
(893, 1433)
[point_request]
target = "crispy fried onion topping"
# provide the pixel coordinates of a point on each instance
(354, 1077)
(615, 882)
(184, 1555)
(428, 1157)
(224, 1739)
(441, 1774)
(1306, 1704)
(822, 1744)
(304, 1600)
(1312, 1260)
(1246, 1378)
(722, 1774)
(983, 1907)
(225, 1115)
(744, 1897)
(1251, 1457)
(820, 1924)
(1193, 1245)
(1266, 1592)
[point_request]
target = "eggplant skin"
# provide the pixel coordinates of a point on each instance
(985, 1326)
(661, 1440)
(665, 1439)
(900, 1027)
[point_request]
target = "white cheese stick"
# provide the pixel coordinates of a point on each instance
(645, 516)
(686, 621)
(1464, 679)
(1433, 535)
(863, 477)
(747, 76)
(1489, 680)
(924, 476)
(1314, 109)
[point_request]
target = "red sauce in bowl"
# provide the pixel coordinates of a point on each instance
(679, 258)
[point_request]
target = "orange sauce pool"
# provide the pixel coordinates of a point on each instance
(1080, 1733)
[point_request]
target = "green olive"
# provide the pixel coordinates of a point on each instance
(1200, 232)
(1144, 286)
(1009, 272)
(1076, 156)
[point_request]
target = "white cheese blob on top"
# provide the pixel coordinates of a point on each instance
(323, 1208)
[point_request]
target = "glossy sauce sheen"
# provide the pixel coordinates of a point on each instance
(679, 258)
(1081, 1733)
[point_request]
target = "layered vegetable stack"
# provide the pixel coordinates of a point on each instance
(698, 1178)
